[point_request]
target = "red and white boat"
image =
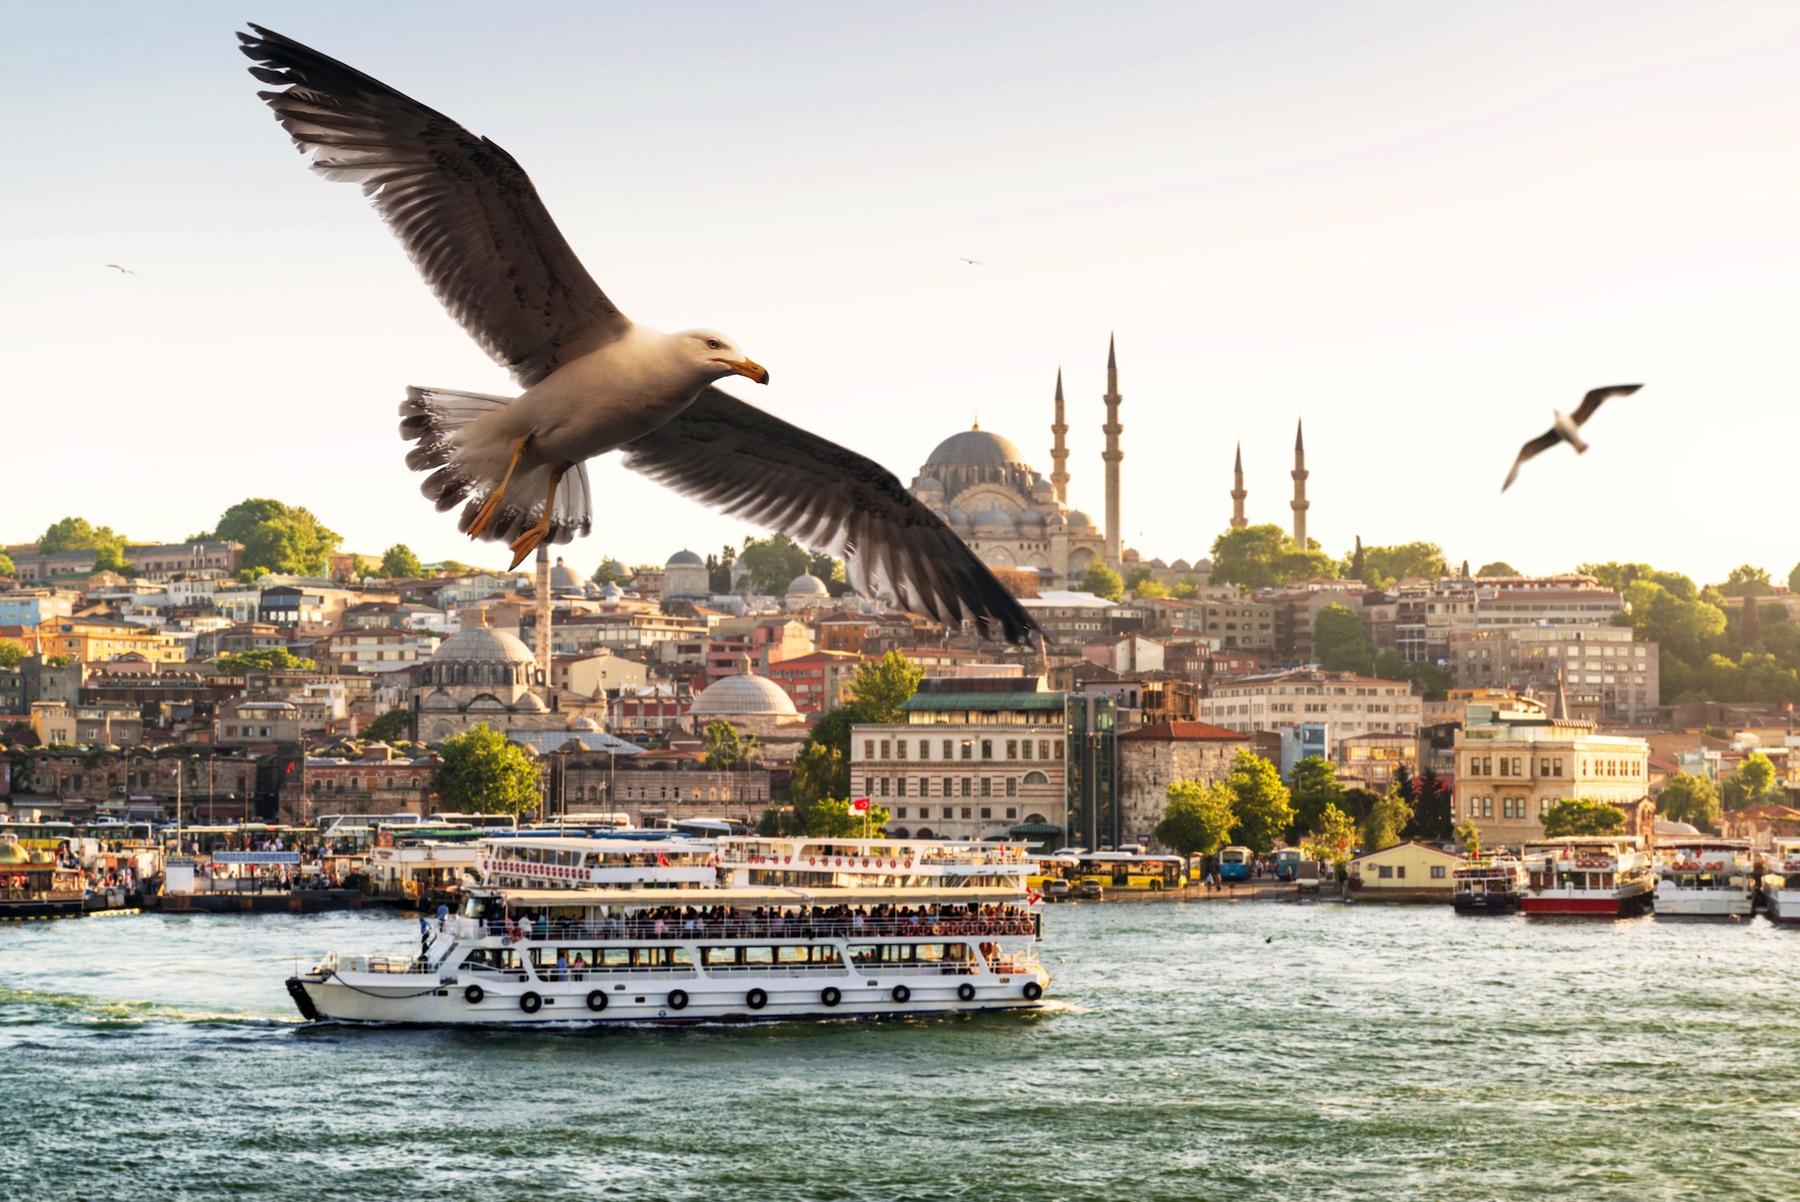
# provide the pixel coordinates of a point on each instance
(1603, 875)
(1698, 877)
(1781, 885)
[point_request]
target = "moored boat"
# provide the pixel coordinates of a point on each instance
(1704, 878)
(1488, 885)
(1781, 882)
(35, 884)
(1605, 876)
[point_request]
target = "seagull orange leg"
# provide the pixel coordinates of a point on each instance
(527, 542)
(485, 514)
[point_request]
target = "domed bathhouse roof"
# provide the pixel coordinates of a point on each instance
(1181, 565)
(975, 447)
(482, 645)
(685, 558)
(956, 517)
(1029, 518)
(562, 576)
(745, 693)
(809, 585)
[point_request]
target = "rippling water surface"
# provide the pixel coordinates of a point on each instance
(1212, 1050)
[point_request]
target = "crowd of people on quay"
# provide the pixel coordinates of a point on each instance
(733, 922)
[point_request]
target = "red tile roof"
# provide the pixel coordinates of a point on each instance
(1164, 731)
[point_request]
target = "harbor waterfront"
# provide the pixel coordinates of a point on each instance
(1256, 1049)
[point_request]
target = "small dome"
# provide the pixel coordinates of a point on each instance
(583, 722)
(685, 558)
(994, 517)
(1078, 518)
(610, 592)
(439, 700)
(531, 703)
(562, 576)
(746, 693)
(482, 645)
(928, 484)
(975, 447)
(487, 703)
(1181, 565)
(1056, 519)
(808, 585)
(1030, 518)
(956, 517)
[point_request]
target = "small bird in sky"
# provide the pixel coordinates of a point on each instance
(973, 262)
(1565, 426)
(124, 270)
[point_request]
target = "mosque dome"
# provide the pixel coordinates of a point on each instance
(994, 517)
(956, 517)
(808, 585)
(1029, 518)
(928, 484)
(611, 592)
(685, 558)
(531, 702)
(743, 694)
(978, 448)
(439, 700)
(482, 645)
(583, 722)
(562, 576)
(1181, 565)
(1158, 563)
(1078, 518)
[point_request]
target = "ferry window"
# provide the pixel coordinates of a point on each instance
(757, 955)
(864, 954)
(718, 955)
(677, 957)
(826, 954)
(929, 951)
(613, 957)
(790, 955)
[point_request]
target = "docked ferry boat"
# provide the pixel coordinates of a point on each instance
(34, 884)
(582, 943)
(1488, 885)
(1700, 877)
(1603, 875)
(1781, 882)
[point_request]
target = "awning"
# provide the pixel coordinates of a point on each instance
(1027, 829)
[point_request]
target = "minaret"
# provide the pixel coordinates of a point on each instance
(1112, 455)
(1238, 520)
(1059, 453)
(541, 632)
(1300, 503)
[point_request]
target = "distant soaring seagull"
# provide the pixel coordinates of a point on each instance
(125, 270)
(973, 262)
(1565, 426)
(593, 381)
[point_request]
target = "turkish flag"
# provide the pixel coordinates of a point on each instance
(860, 806)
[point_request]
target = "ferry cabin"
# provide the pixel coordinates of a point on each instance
(519, 956)
(810, 862)
(1601, 875)
(547, 860)
(1488, 885)
(1781, 884)
(34, 885)
(1705, 878)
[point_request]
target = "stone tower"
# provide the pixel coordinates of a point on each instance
(1059, 451)
(1300, 503)
(1238, 520)
(1112, 455)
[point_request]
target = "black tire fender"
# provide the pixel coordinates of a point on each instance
(596, 1000)
(965, 992)
(901, 994)
(831, 996)
(530, 1002)
(756, 999)
(1033, 991)
(473, 995)
(678, 999)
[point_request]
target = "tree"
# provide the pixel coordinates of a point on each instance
(1431, 820)
(1332, 836)
(1582, 816)
(1689, 798)
(779, 821)
(1340, 643)
(610, 571)
(834, 819)
(1101, 581)
(7, 567)
(1754, 782)
(878, 690)
(1314, 787)
(1135, 577)
(1747, 581)
(69, 534)
(1150, 590)
(774, 562)
(1794, 579)
(398, 562)
(277, 537)
(1384, 565)
(830, 571)
(726, 748)
(269, 659)
(1468, 837)
(109, 556)
(1265, 557)
(1386, 823)
(1261, 806)
(11, 653)
(1187, 588)
(1198, 818)
(1498, 568)
(820, 771)
(480, 772)
(392, 726)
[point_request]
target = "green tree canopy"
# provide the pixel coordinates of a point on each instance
(7, 567)
(1468, 837)
(1314, 787)
(1689, 798)
(269, 659)
(610, 571)
(1754, 783)
(1384, 565)
(1333, 835)
(69, 534)
(277, 538)
(1101, 581)
(1198, 818)
(1794, 579)
(109, 556)
(726, 748)
(821, 770)
(1386, 823)
(833, 818)
(875, 694)
(1186, 589)
(1150, 590)
(1746, 580)
(398, 562)
(1261, 804)
(1498, 568)
(774, 562)
(11, 652)
(779, 821)
(1582, 816)
(1340, 643)
(480, 772)
(391, 727)
(1265, 557)
(878, 690)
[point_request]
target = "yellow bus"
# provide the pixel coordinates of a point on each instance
(1113, 870)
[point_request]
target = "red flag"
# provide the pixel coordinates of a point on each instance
(860, 806)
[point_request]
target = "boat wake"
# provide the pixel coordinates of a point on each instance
(36, 1007)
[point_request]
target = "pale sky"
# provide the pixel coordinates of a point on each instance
(1422, 226)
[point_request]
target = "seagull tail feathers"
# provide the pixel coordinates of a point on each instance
(434, 419)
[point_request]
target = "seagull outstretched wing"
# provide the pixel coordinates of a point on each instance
(1535, 447)
(1594, 399)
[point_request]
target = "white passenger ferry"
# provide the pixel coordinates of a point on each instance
(1488, 885)
(1603, 875)
(1701, 877)
(556, 934)
(1781, 884)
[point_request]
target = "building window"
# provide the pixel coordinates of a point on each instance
(899, 749)
(1012, 786)
(899, 811)
(949, 751)
(949, 813)
(884, 786)
(966, 813)
(986, 812)
(1437, 871)
(1400, 871)
(1012, 811)
(968, 749)
(948, 786)
(1012, 749)
(885, 750)
(1058, 745)
(1026, 748)
(987, 787)
(900, 787)
(1384, 871)
(967, 786)
(987, 749)
(868, 749)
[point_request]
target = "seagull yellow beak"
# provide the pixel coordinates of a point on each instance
(746, 368)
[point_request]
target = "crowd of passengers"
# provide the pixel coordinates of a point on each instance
(732, 922)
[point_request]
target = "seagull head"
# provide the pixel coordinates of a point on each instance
(716, 356)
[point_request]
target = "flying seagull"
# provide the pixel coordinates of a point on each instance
(973, 262)
(1565, 426)
(593, 380)
(125, 270)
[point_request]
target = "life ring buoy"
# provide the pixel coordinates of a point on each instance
(596, 1000)
(812, 859)
(530, 1002)
(756, 999)
(965, 992)
(901, 994)
(473, 995)
(831, 997)
(1033, 991)
(909, 863)
(678, 999)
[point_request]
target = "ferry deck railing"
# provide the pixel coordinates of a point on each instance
(799, 929)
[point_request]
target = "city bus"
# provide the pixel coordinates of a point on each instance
(1113, 870)
(1234, 863)
(1287, 863)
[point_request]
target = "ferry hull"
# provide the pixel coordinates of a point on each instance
(1605, 906)
(1708, 903)
(424, 1001)
(1784, 905)
(1485, 903)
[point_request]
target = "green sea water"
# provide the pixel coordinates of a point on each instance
(1244, 1050)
